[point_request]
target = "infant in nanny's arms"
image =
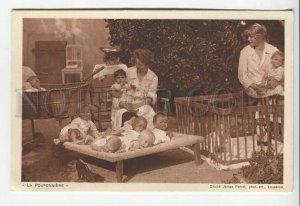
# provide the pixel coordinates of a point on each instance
(81, 130)
(132, 136)
(130, 94)
(276, 71)
(120, 87)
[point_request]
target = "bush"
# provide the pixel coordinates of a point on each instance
(265, 168)
(189, 55)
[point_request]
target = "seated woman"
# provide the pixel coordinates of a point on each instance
(145, 82)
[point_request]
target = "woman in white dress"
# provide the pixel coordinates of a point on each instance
(145, 82)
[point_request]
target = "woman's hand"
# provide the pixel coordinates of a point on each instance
(272, 83)
(259, 89)
(116, 93)
(128, 106)
(133, 107)
(132, 86)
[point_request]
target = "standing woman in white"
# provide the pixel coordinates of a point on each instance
(254, 60)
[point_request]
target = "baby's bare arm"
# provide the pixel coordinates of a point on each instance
(116, 93)
(170, 134)
(74, 135)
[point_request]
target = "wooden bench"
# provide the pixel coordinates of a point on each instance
(179, 140)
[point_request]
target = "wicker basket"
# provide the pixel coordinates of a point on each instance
(55, 102)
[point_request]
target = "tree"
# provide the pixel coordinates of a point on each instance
(189, 54)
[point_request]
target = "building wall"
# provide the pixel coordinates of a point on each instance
(90, 33)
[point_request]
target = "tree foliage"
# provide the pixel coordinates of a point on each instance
(189, 54)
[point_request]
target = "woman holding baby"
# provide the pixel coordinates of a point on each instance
(144, 83)
(256, 64)
(261, 71)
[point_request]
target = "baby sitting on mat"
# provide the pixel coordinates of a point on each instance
(160, 122)
(81, 130)
(132, 136)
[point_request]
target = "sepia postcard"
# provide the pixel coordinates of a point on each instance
(152, 100)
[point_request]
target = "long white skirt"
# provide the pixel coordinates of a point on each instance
(144, 111)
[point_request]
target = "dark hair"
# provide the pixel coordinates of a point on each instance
(119, 72)
(159, 114)
(144, 55)
(111, 56)
(83, 109)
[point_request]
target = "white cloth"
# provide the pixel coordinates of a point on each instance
(85, 127)
(99, 142)
(147, 112)
(27, 73)
(278, 74)
(108, 70)
(117, 122)
(133, 95)
(127, 137)
(144, 111)
(277, 90)
(116, 101)
(28, 88)
(251, 68)
(160, 136)
(148, 86)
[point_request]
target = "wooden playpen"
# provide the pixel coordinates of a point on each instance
(232, 128)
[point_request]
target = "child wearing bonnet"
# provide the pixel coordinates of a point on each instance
(31, 83)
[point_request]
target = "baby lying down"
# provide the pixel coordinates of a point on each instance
(129, 138)
(161, 133)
